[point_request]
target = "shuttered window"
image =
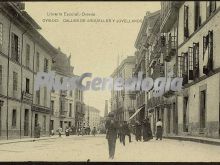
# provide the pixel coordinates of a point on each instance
(15, 81)
(15, 47)
(45, 65)
(186, 19)
(27, 55)
(210, 8)
(197, 15)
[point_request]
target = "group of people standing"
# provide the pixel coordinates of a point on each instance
(143, 129)
(115, 130)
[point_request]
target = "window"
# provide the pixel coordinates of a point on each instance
(45, 65)
(195, 60)
(38, 62)
(208, 52)
(210, 8)
(70, 110)
(27, 55)
(197, 15)
(1, 34)
(15, 47)
(1, 73)
(52, 107)
(71, 93)
(180, 66)
(45, 96)
(15, 81)
(14, 117)
(190, 52)
(186, 26)
(27, 85)
(38, 97)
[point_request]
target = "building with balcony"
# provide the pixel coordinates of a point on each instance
(121, 102)
(23, 53)
(198, 64)
(62, 102)
(146, 59)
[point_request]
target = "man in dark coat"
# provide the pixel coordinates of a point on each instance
(147, 133)
(111, 135)
(137, 131)
(125, 131)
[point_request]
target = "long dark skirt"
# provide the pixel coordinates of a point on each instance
(159, 132)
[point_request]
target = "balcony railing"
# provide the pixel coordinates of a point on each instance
(27, 96)
(63, 113)
(169, 14)
(170, 48)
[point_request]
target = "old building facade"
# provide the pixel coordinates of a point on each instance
(23, 52)
(198, 64)
(62, 102)
(121, 102)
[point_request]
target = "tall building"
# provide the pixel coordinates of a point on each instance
(92, 117)
(121, 102)
(198, 64)
(146, 39)
(23, 53)
(62, 102)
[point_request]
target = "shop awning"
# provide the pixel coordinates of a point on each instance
(139, 109)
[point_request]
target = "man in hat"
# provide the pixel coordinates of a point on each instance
(111, 135)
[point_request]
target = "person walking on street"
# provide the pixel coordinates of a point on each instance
(120, 132)
(125, 131)
(94, 131)
(138, 131)
(147, 133)
(159, 126)
(111, 135)
(60, 131)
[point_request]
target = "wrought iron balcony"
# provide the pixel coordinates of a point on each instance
(63, 113)
(169, 14)
(27, 96)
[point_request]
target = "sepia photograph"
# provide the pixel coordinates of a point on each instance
(109, 81)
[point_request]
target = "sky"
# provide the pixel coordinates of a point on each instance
(94, 47)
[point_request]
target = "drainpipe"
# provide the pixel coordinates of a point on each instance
(32, 92)
(22, 43)
(8, 76)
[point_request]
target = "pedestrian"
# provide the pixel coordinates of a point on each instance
(37, 131)
(59, 131)
(147, 133)
(111, 135)
(125, 132)
(159, 127)
(67, 131)
(52, 132)
(94, 131)
(120, 132)
(138, 131)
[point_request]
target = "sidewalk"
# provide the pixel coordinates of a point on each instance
(27, 139)
(204, 140)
